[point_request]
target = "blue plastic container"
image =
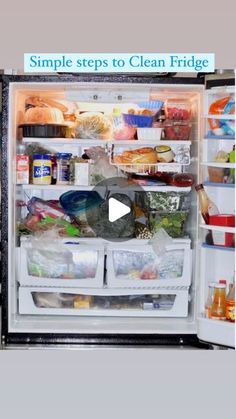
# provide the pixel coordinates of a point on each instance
(76, 202)
(141, 121)
(154, 105)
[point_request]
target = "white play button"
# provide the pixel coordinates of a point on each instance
(117, 210)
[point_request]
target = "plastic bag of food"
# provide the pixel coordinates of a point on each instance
(92, 125)
(48, 257)
(53, 300)
(160, 241)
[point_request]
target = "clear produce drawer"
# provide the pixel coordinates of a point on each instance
(66, 265)
(140, 267)
(120, 303)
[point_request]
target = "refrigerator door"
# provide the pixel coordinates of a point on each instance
(216, 255)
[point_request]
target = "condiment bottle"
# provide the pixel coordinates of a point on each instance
(42, 169)
(223, 281)
(219, 302)
(22, 166)
(209, 301)
(63, 168)
(54, 169)
(230, 303)
(207, 207)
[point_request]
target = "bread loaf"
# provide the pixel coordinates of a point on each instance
(145, 155)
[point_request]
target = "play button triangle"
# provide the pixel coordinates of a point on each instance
(117, 209)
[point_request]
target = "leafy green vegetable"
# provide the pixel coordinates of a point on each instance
(173, 222)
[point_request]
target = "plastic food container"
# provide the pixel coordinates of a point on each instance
(177, 130)
(163, 201)
(216, 174)
(153, 105)
(172, 222)
(44, 130)
(42, 169)
(178, 111)
(221, 238)
(149, 133)
(138, 120)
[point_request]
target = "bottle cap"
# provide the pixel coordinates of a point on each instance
(199, 187)
(220, 286)
(222, 281)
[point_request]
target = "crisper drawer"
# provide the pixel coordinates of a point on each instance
(135, 266)
(67, 264)
(88, 302)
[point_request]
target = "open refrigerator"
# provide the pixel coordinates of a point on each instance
(100, 299)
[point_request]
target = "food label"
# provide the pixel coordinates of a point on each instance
(63, 172)
(42, 172)
(22, 170)
(81, 174)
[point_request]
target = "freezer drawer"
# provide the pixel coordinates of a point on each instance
(88, 302)
(140, 267)
(66, 265)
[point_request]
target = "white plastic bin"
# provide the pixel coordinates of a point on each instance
(71, 264)
(138, 266)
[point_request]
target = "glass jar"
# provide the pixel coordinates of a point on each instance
(63, 168)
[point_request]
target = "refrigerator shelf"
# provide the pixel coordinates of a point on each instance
(224, 248)
(89, 142)
(218, 332)
(224, 116)
(220, 138)
(172, 303)
(215, 164)
(219, 185)
(150, 188)
(218, 228)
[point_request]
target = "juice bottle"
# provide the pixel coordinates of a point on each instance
(209, 301)
(207, 207)
(230, 303)
(219, 302)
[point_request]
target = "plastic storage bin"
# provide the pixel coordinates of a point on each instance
(118, 303)
(177, 130)
(138, 120)
(139, 266)
(69, 265)
(177, 110)
(149, 134)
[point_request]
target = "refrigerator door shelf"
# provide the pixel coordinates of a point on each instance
(74, 302)
(74, 265)
(140, 267)
(216, 332)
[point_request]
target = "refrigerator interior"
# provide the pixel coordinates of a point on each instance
(96, 97)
